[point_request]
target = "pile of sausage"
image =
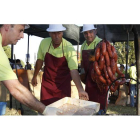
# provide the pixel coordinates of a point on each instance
(105, 67)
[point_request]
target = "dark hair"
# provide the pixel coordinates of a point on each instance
(18, 60)
(1, 25)
(12, 25)
(121, 65)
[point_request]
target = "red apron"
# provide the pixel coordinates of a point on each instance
(91, 88)
(56, 81)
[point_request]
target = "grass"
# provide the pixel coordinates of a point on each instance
(120, 110)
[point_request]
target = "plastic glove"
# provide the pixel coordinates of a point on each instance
(83, 95)
(52, 111)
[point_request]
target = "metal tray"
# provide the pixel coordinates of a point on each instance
(92, 107)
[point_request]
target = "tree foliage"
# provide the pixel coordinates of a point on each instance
(121, 48)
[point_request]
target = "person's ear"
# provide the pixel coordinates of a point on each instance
(50, 34)
(96, 31)
(6, 27)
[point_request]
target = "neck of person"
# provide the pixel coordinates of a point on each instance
(56, 45)
(4, 42)
(89, 42)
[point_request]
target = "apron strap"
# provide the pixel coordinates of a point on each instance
(62, 49)
(49, 46)
(88, 66)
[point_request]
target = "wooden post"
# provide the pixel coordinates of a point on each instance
(137, 55)
(77, 51)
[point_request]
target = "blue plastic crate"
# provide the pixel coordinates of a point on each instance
(2, 108)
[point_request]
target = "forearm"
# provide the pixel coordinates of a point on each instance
(76, 78)
(23, 95)
(38, 66)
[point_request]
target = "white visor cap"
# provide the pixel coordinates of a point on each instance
(55, 28)
(87, 27)
(27, 26)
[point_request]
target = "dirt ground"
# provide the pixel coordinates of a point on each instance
(16, 107)
(112, 109)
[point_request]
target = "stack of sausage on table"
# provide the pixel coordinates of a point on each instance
(105, 67)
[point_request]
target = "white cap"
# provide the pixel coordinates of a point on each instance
(27, 26)
(87, 27)
(55, 28)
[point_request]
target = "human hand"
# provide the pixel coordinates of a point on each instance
(83, 95)
(34, 81)
(52, 111)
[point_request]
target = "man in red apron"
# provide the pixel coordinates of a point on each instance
(87, 48)
(61, 66)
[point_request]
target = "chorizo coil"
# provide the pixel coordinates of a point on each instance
(105, 67)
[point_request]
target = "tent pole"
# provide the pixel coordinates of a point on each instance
(28, 49)
(127, 52)
(104, 32)
(77, 50)
(12, 50)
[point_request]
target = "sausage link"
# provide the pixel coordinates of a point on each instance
(123, 79)
(101, 78)
(113, 77)
(118, 71)
(109, 82)
(107, 60)
(113, 49)
(113, 66)
(109, 50)
(105, 72)
(113, 89)
(117, 83)
(97, 53)
(103, 48)
(109, 72)
(115, 57)
(101, 62)
(96, 67)
(114, 53)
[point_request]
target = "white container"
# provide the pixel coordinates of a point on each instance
(93, 106)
